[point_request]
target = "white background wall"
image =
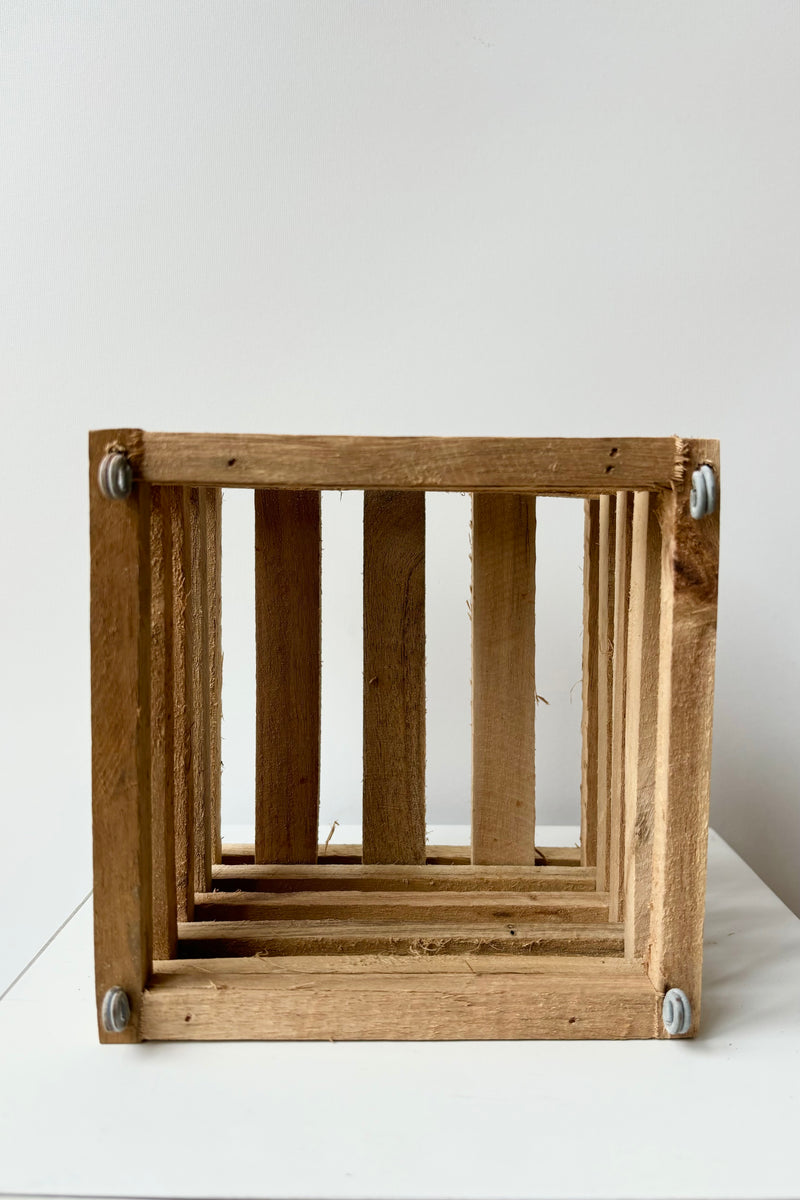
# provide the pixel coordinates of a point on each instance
(401, 218)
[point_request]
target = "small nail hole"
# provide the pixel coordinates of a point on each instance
(231, 462)
(609, 468)
(613, 452)
(188, 1017)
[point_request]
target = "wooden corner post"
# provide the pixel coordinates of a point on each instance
(120, 636)
(689, 576)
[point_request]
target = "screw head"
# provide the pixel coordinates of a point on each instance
(115, 1011)
(676, 1012)
(115, 476)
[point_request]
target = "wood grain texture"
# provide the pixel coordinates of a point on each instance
(589, 713)
(215, 939)
(120, 670)
(459, 856)
(622, 573)
(326, 877)
(165, 929)
(214, 608)
(397, 1000)
(288, 674)
(462, 908)
(641, 721)
(605, 680)
(548, 466)
(201, 690)
(689, 583)
(177, 502)
(503, 678)
(394, 677)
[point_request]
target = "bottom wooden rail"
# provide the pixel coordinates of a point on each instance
(375, 998)
(546, 856)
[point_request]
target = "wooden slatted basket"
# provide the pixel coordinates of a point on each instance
(394, 939)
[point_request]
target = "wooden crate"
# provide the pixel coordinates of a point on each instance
(395, 939)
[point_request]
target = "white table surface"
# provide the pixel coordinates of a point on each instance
(715, 1117)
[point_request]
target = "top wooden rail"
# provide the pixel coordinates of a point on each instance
(545, 466)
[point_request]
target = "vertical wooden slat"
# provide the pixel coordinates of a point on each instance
(622, 567)
(177, 500)
(689, 578)
(162, 730)
(503, 678)
(120, 665)
(201, 691)
(288, 650)
(641, 720)
(214, 602)
(394, 677)
(589, 744)
(605, 679)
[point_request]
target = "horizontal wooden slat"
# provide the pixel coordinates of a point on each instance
(253, 877)
(410, 998)
(580, 908)
(174, 972)
(212, 939)
(547, 466)
(350, 853)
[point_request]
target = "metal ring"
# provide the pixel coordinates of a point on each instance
(115, 476)
(115, 1011)
(698, 500)
(710, 478)
(676, 1012)
(703, 499)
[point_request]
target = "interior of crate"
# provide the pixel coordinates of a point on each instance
(286, 895)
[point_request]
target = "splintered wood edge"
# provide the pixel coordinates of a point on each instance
(399, 999)
(546, 466)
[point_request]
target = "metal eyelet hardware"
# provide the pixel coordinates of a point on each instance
(115, 1011)
(115, 476)
(676, 1012)
(703, 498)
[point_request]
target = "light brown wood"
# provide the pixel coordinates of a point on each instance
(464, 908)
(177, 505)
(641, 721)
(589, 715)
(165, 928)
(394, 677)
(548, 466)
(174, 972)
(622, 571)
(213, 939)
(459, 856)
(503, 678)
(214, 608)
(288, 659)
(605, 680)
(326, 877)
(120, 668)
(401, 1006)
(201, 691)
(689, 581)
(416, 1000)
